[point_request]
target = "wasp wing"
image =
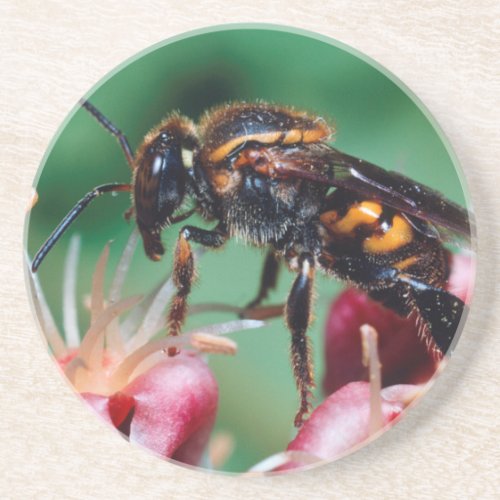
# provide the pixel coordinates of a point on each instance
(324, 164)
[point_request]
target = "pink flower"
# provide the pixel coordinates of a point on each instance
(348, 418)
(166, 404)
(342, 421)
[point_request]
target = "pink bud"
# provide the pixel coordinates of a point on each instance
(169, 409)
(404, 358)
(342, 421)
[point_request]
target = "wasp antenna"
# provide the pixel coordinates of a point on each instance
(71, 216)
(112, 129)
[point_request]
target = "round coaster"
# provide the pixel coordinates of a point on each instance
(250, 249)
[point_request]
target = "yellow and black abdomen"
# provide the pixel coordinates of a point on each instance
(362, 237)
(389, 255)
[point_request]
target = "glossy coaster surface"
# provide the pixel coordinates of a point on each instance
(258, 250)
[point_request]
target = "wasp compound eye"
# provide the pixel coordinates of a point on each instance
(160, 181)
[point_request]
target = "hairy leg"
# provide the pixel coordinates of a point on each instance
(297, 315)
(183, 273)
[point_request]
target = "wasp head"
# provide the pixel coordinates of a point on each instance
(160, 178)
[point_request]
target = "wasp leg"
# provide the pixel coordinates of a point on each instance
(129, 213)
(183, 272)
(268, 280)
(113, 130)
(297, 315)
(70, 217)
(182, 217)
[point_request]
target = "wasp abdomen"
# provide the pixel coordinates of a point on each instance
(379, 250)
(369, 244)
(375, 229)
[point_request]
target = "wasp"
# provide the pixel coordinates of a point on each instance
(267, 175)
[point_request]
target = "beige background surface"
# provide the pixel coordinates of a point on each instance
(446, 52)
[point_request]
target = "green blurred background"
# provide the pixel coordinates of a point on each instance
(375, 119)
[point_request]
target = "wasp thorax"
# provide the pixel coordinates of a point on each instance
(160, 178)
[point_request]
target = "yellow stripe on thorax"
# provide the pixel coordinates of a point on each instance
(222, 151)
(293, 136)
(399, 235)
